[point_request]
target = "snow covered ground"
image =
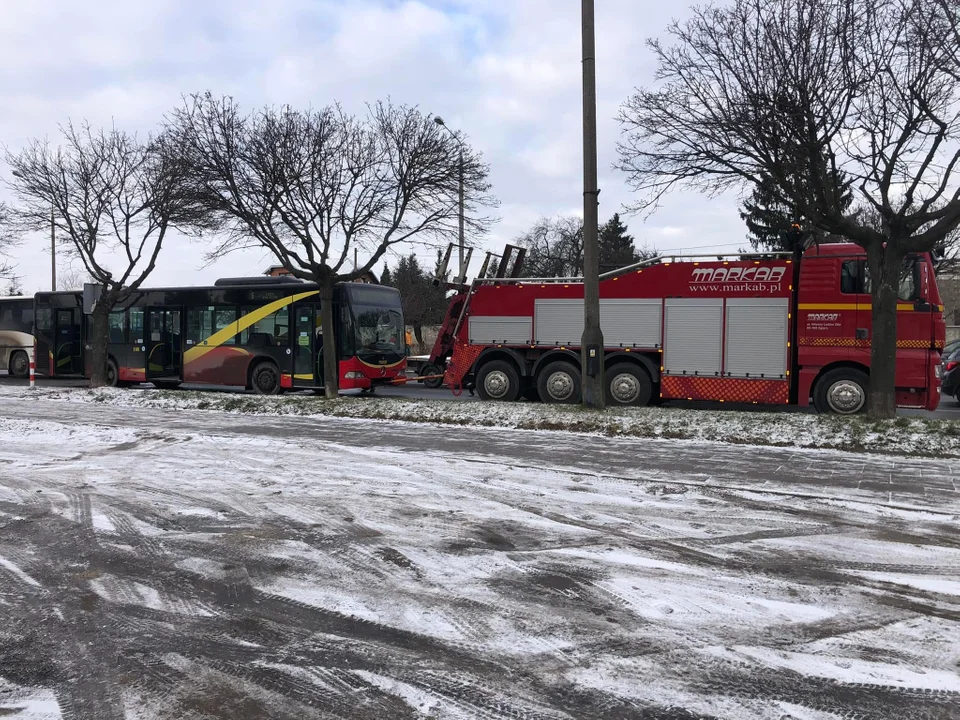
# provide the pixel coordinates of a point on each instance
(172, 563)
(904, 436)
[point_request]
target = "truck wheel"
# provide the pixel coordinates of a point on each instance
(843, 391)
(265, 379)
(559, 382)
(629, 385)
(19, 364)
(433, 383)
(498, 380)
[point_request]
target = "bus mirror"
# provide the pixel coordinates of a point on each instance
(91, 293)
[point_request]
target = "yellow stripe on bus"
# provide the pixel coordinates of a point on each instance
(238, 326)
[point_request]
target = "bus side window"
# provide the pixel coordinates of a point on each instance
(136, 326)
(273, 329)
(26, 318)
(199, 325)
(117, 325)
(45, 319)
(223, 317)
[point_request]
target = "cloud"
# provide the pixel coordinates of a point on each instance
(507, 73)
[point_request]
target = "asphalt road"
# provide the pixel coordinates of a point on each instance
(192, 565)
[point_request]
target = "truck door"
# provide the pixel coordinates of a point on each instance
(863, 330)
(914, 327)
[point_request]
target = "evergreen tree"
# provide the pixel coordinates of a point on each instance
(616, 246)
(386, 278)
(423, 302)
(769, 218)
(555, 247)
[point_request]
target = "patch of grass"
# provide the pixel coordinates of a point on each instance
(900, 436)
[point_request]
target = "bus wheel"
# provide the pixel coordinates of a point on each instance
(559, 382)
(19, 364)
(266, 379)
(432, 383)
(113, 374)
(843, 391)
(628, 384)
(498, 380)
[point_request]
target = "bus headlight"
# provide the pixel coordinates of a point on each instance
(353, 375)
(938, 371)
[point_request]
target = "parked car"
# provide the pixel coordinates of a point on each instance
(950, 383)
(949, 349)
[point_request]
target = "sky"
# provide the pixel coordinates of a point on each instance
(505, 72)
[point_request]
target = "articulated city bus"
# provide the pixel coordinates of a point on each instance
(16, 325)
(263, 334)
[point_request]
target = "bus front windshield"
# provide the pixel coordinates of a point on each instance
(378, 329)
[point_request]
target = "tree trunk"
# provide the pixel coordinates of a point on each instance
(418, 334)
(885, 263)
(331, 367)
(99, 339)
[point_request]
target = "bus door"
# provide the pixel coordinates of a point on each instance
(307, 345)
(163, 346)
(68, 340)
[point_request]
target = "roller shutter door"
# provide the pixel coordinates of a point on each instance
(757, 337)
(632, 322)
(500, 330)
(694, 329)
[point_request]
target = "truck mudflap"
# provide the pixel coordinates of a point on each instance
(460, 364)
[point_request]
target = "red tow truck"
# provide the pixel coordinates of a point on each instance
(775, 328)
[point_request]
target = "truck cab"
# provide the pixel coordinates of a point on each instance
(835, 329)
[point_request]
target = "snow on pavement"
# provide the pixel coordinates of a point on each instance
(160, 564)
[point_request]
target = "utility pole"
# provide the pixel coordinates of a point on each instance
(53, 252)
(592, 341)
(461, 239)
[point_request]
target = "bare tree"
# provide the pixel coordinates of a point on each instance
(554, 248)
(314, 186)
(73, 278)
(793, 92)
(7, 239)
(114, 200)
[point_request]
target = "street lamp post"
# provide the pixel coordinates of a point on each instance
(592, 341)
(53, 252)
(461, 239)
